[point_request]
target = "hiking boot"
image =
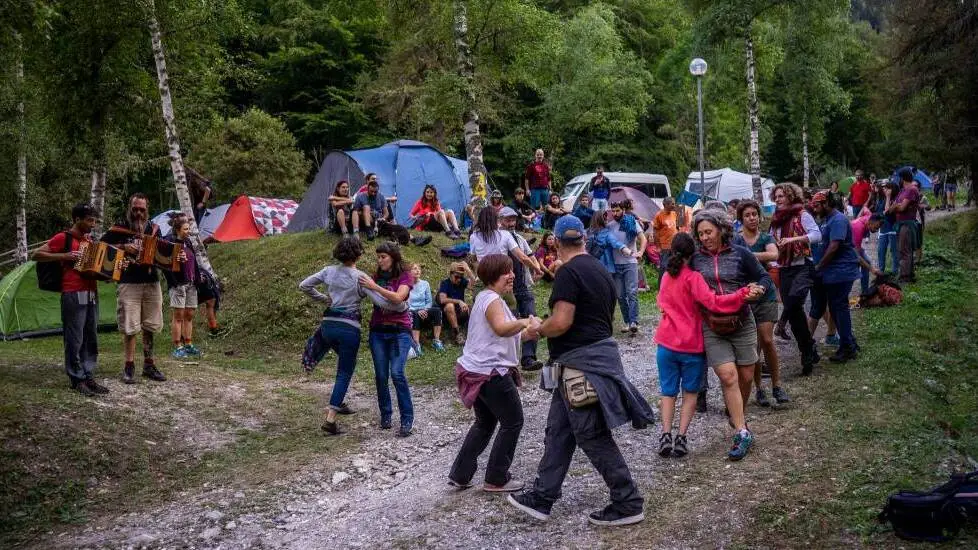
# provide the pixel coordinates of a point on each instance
(460, 338)
(679, 447)
(96, 387)
(832, 340)
(386, 424)
(531, 364)
(610, 517)
(782, 333)
(633, 328)
(843, 354)
(150, 371)
(438, 345)
(344, 409)
(780, 395)
(701, 402)
(761, 398)
(665, 444)
(179, 353)
(531, 504)
(420, 240)
(404, 430)
(510, 486)
(742, 442)
(129, 374)
(331, 428)
(84, 389)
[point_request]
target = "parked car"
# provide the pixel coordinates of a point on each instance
(655, 186)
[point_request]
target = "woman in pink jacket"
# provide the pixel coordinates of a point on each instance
(680, 354)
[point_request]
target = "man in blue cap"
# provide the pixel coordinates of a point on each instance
(579, 335)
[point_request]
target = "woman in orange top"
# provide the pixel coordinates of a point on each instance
(428, 215)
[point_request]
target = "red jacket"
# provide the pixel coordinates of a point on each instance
(680, 298)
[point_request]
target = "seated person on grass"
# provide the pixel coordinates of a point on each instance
(451, 297)
(341, 208)
(428, 215)
(423, 312)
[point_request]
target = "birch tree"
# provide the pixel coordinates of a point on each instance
(470, 118)
(20, 256)
(172, 138)
(753, 119)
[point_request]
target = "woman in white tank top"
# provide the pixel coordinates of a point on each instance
(487, 378)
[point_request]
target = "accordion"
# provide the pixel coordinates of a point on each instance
(160, 253)
(100, 261)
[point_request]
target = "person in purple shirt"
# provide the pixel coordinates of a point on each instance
(390, 336)
(904, 207)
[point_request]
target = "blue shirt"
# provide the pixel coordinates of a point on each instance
(452, 290)
(420, 297)
(377, 205)
(844, 266)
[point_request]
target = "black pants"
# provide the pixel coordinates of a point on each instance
(796, 282)
(586, 428)
(79, 321)
(525, 307)
(498, 403)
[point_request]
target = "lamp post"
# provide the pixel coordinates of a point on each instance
(697, 68)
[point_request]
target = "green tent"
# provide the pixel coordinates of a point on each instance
(26, 310)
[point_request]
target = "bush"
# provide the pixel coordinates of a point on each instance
(253, 154)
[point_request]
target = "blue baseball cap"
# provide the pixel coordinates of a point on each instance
(569, 228)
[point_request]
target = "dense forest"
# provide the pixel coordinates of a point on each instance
(263, 89)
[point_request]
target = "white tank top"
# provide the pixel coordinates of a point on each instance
(484, 350)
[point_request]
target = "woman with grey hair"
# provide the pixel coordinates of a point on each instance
(730, 341)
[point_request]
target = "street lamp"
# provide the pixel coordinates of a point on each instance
(697, 68)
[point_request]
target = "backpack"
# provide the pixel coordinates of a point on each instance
(593, 247)
(460, 250)
(49, 274)
(936, 515)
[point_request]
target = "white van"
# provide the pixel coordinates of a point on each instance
(656, 186)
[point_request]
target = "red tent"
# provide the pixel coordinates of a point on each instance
(254, 217)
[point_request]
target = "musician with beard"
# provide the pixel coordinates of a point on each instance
(140, 299)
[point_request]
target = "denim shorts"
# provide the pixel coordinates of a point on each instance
(675, 366)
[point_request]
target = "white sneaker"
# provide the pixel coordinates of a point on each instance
(412, 354)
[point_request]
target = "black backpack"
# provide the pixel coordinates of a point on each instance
(49, 273)
(936, 515)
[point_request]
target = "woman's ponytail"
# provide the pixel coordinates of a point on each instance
(683, 248)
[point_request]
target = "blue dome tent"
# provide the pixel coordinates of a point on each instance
(919, 176)
(404, 168)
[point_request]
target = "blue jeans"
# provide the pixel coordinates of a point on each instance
(837, 296)
(599, 204)
(389, 351)
(887, 241)
(626, 278)
(525, 307)
(345, 340)
(539, 197)
(863, 273)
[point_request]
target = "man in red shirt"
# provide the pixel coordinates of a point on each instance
(536, 180)
(859, 193)
(79, 300)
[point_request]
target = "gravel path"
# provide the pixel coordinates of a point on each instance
(393, 493)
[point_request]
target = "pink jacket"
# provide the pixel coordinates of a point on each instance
(680, 298)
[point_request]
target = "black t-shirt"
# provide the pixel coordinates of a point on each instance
(584, 282)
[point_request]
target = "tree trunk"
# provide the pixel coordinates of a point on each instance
(470, 118)
(173, 139)
(804, 155)
(755, 154)
(97, 199)
(20, 256)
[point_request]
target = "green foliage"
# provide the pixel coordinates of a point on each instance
(253, 154)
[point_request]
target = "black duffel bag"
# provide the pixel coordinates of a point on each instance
(936, 515)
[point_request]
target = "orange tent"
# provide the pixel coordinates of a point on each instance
(254, 217)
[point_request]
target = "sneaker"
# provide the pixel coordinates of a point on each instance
(701, 402)
(780, 395)
(412, 354)
(404, 430)
(344, 409)
(510, 486)
(84, 389)
(179, 353)
(843, 354)
(742, 442)
(832, 340)
(386, 424)
(530, 504)
(633, 328)
(421, 240)
(96, 387)
(531, 364)
(460, 338)
(192, 350)
(150, 371)
(665, 444)
(417, 350)
(331, 428)
(129, 374)
(679, 447)
(610, 517)
(438, 345)
(761, 398)
(459, 485)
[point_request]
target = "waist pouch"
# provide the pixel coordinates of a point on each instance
(580, 393)
(724, 324)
